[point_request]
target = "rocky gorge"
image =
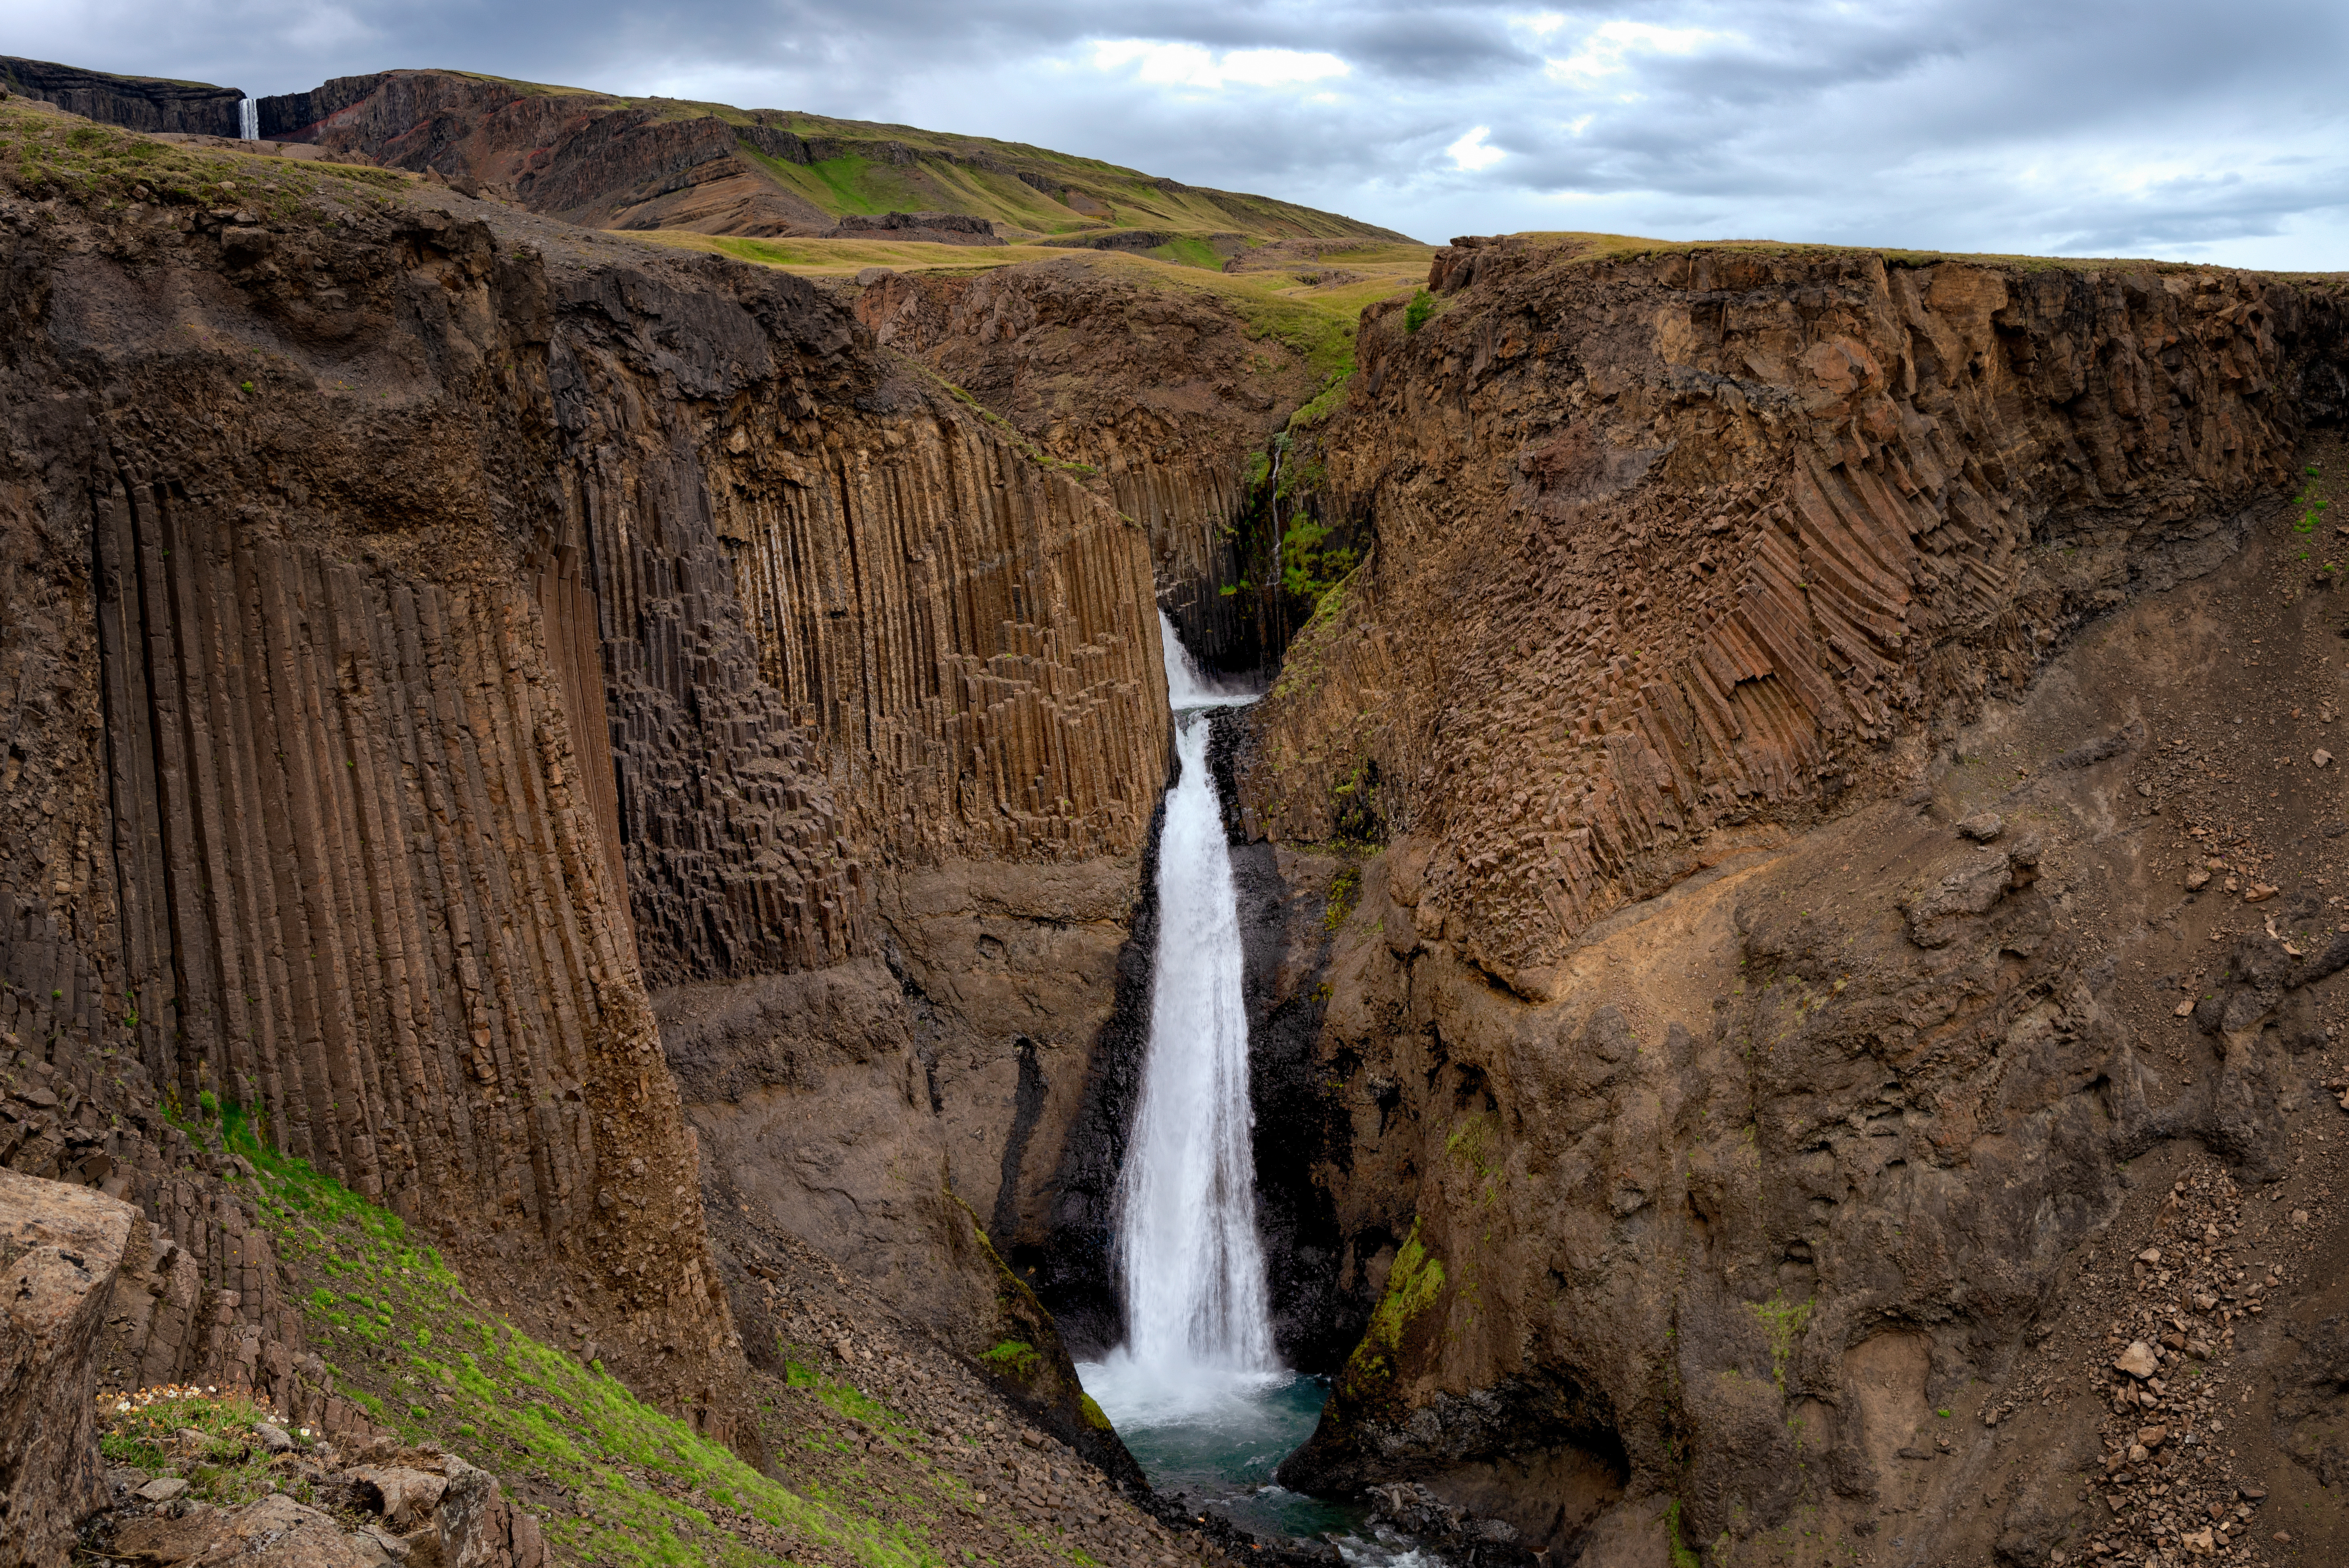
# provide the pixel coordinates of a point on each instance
(580, 832)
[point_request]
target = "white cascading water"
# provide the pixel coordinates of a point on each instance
(1197, 1391)
(1187, 685)
(1187, 1198)
(248, 119)
(1188, 1253)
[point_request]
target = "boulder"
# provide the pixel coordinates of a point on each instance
(61, 1247)
(275, 1533)
(479, 1529)
(405, 1497)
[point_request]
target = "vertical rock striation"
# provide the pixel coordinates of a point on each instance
(1161, 390)
(466, 667)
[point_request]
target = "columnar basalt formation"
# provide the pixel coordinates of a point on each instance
(1164, 390)
(378, 521)
(1707, 532)
(307, 834)
(1765, 688)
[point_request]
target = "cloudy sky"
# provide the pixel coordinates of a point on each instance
(2081, 127)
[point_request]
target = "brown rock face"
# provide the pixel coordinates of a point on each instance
(313, 817)
(1723, 1099)
(1706, 534)
(61, 1247)
(1164, 390)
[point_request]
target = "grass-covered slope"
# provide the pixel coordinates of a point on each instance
(638, 163)
(611, 1480)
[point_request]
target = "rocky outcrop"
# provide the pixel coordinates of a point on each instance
(312, 841)
(1225, 245)
(1705, 554)
(933, 228)
(141, 103)
(307, 838)
(1718, 1117)
(60, 1246)
(396, 1503)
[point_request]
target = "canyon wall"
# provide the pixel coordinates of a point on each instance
(1165, 392)
(463, 665)
(1703, 1112)
(142, 103)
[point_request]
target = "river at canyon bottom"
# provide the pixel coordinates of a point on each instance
(1211, 1440)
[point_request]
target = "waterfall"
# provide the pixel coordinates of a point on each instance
(1194, 1278)
(1187, 685)
(248, 119)
(1187, 1248)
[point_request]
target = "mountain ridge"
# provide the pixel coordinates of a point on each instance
(620, 163)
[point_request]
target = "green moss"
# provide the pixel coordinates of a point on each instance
(1682, 1556)
(1323, 404)
(1470, 1143)
(1416, 313)
(428, 1363)
(1014, 1357)
(1345, 890)
(1095, 1417)
(1783, 1322)
(1413, 1283)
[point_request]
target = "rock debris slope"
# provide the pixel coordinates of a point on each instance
(1713, 1124)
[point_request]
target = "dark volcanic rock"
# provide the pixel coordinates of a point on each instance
(936, 228)
(140, 103)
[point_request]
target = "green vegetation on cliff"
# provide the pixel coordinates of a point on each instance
(408, 1343)
(1413, 1283)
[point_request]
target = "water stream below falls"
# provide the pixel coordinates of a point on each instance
(1197, 1391)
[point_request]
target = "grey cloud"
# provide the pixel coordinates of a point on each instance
(1931, 123)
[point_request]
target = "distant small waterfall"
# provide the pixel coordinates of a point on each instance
(1193, 1272)
(248, 119)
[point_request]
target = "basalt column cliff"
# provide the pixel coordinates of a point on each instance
(1724, 1144)
(450, 656)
